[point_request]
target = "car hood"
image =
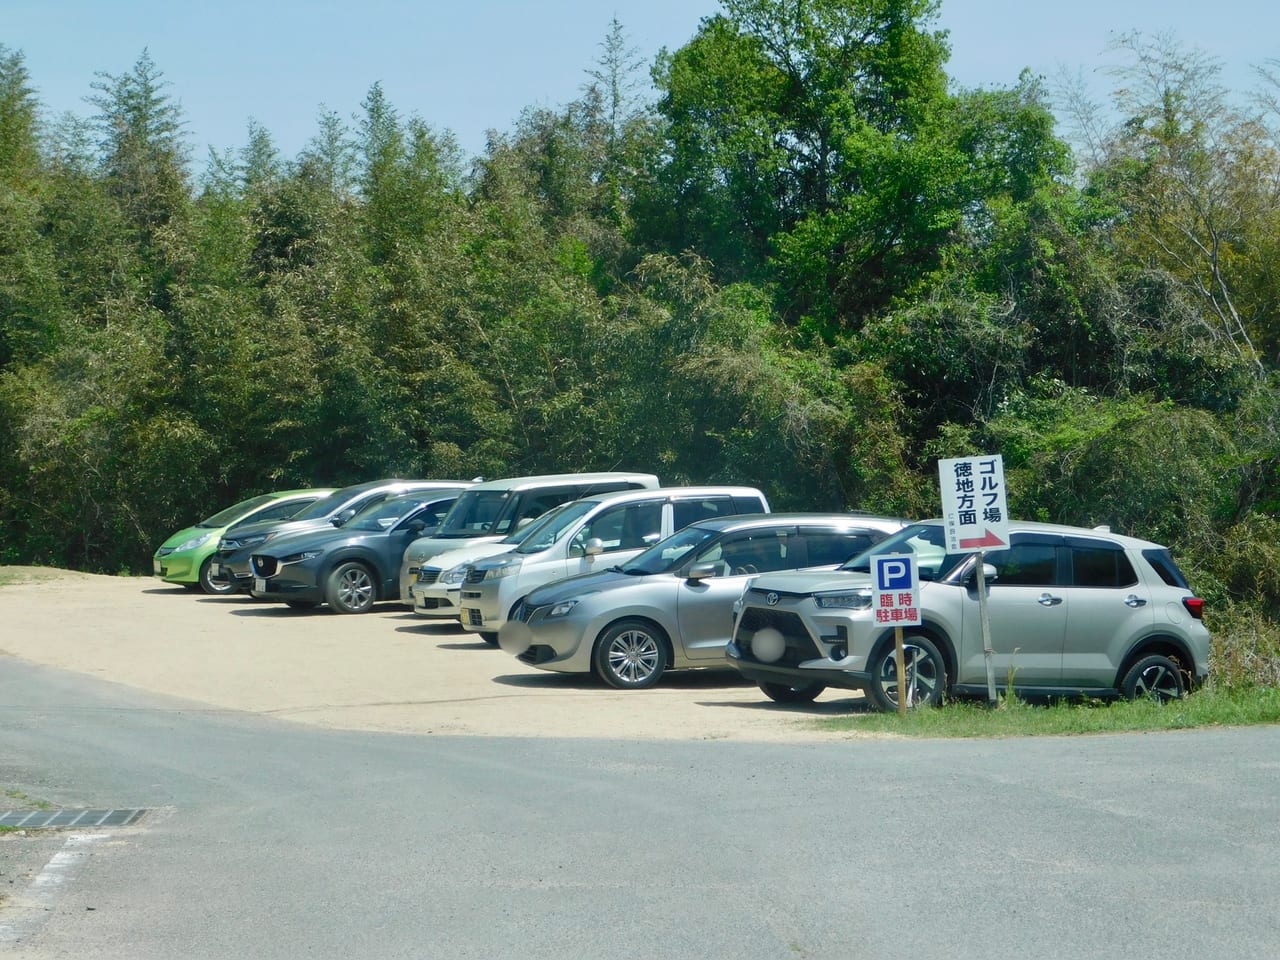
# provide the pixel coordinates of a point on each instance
(596, 582)
(320, 538)
(447, 553)
(810, 581)
(278, 527)
(189, 533)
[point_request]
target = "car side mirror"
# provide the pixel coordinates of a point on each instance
(702, 571)
(593, 547)
(416, 527)
(989, 574)
(343, 517)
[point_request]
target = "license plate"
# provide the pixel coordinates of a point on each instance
(471, 617)
(156, 568)
(214, 569)
(259, 584)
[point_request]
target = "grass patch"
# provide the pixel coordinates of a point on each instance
(1210, 707)
(17, 798)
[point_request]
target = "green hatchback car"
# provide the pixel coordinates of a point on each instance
(186, 556)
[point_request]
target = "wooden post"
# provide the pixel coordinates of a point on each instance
(902, 671)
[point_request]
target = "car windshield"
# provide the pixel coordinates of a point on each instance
(224, 518)
(326, 505)
(668, 554)
(476, 514)
(926, 540)
(384, 514)
(551, 527)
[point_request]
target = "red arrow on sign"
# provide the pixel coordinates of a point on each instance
(988, 539)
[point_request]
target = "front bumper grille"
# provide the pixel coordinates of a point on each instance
(474, 575)
(428, 575)
(800, 646)
(264, 566)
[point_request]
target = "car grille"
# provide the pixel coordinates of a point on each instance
(428, 575)
(263, 566)
(473, 618)
(474, 575)
(522, 613)
(800, 645)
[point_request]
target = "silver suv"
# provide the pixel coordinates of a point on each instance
(1073, 612)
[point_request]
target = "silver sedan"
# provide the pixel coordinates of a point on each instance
(672, 606)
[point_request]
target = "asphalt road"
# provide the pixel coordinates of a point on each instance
(273, 840)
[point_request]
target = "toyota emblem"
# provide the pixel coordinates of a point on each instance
(771, 599)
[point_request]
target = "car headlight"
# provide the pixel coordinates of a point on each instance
(561, 609)
(454, 574)
(505, 569)
(300, 557)
(240, 543)
(194, 542)
(860, 600)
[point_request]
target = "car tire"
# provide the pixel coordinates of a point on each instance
(783, 693)
(631, 655)
(1155, 677)
(926, 674)
(489, 637)
(211, 586)
(350, 588)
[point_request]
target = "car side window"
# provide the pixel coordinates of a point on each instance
(749, 553)
(1025, 565)
(625, 527)
(1101, 567)
(836, 546)
(686, 512)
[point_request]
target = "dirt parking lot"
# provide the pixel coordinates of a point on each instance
(387, 670)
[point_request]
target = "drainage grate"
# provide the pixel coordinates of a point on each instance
(38, 819)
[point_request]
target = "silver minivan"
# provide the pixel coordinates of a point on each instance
(587, 535)
(488, 513)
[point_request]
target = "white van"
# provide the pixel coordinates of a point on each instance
(493, 511)
(584, 536)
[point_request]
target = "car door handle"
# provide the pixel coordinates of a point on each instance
(1133, 600)
(1048, 600)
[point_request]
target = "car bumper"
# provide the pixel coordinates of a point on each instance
(436, 602)
(283, 588)
(560, 645)
(177, 567)
(811, 671)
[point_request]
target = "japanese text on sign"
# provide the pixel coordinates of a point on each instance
(974, 505)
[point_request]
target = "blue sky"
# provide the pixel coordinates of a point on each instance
(472, 66)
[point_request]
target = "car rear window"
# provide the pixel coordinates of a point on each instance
(1162, 563)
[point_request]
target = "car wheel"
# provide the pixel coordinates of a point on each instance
(801, 693)
(1156, 677)
(301, 604)
(630, 655)
(489, 637)
(350, 589)
(924, 669)
(210, 585)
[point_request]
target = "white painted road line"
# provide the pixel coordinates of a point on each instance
(24, 914)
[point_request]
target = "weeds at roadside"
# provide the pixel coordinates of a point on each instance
(1214, 706)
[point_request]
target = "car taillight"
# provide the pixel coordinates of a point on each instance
(1195, 607)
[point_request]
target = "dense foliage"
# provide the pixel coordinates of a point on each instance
(811, 264)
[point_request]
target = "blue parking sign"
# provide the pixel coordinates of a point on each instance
(895, 572)
(895, 584)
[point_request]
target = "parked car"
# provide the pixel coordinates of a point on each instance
(187, 557)
(238, 543)
(672, 605)
(1072, 611)
(349, 567)
(583, 536)
(489, 512)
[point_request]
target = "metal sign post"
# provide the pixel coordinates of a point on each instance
(976, 513)
(902, 671)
